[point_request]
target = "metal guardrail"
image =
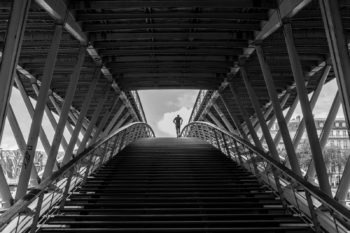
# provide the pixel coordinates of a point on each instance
(323, 212)
(46, 199)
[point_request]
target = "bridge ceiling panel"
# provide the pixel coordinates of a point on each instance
(159, 44)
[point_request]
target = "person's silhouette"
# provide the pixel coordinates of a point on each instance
(177, 121)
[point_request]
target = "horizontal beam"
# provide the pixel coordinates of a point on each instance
(168, 44)
(101, 36)
(170, 51)
(251, 16)
(94, 27)
(262, 4)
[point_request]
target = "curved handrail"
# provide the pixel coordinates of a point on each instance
(327, 201)
(22, 204)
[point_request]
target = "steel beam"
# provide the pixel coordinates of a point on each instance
(21, 143)
(58, 109)
(113, 121)
(224, 119)
(326, 131)
(49, 115)
(83, 111)
(341, 65)
(265, 68)
(233, 118)
(246, 118)
(256, 105)
(301, 128)
(103, 122)
(273, 118)
(216, 120)
(121, 122)
(92, 123)
(64, 114)
(306, 109)
(43, 138)
(9, 59)
(287, 118)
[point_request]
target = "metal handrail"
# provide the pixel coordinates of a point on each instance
(334, 207)
(80, 166)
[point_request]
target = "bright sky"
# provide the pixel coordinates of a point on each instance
(161, 107)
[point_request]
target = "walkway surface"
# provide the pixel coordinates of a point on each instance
(173, 185)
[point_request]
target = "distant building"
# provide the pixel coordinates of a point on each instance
(338, 144)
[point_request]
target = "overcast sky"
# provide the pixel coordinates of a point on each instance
(160, 106)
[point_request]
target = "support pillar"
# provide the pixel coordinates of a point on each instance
(246, 119)
(255, 102)
(92, 123)
(301, 128)
(83, 111)
(306, 109)
(64, 114)
(278, 110)
(224, 119)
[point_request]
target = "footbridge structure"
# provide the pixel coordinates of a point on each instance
(83, 61)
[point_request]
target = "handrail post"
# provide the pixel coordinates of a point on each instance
(225, 144)
(217, 139)
(239, 155)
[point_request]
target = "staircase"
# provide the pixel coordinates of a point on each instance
(173, 185)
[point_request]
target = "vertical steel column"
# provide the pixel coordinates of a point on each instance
(224, 119)
(35, 127)
(9, 59)
(83, 111)
(92, 123)
(217, 122)
(287, 118)
(306, 109)
(113, 121)
(255, 102)
(278, 110)
(301, 128)
(326, 131)
(64, 114)
(233, 118)
(103, 123)
(21, 142)
(51, 117)
(246, 118)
